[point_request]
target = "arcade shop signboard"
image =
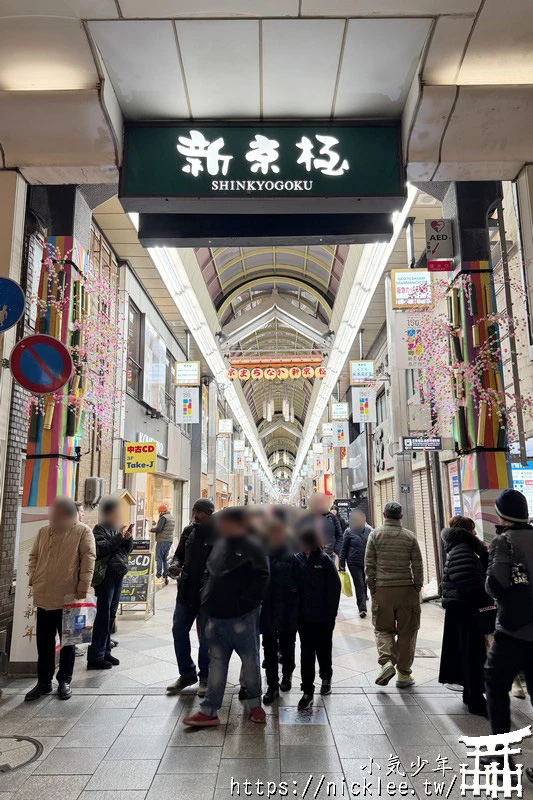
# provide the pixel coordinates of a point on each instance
(350, 167)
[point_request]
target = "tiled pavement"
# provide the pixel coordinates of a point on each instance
(120, 738)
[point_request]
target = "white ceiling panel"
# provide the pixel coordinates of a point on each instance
(387, 8)
(56, 55)
(143, 64)
(379, 62)
(500, 50)
(445, 52)
(76, 9)
(221, 65)
(208, 8)
(300, 63)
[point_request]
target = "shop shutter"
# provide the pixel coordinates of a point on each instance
(384, 493)
(424, 530)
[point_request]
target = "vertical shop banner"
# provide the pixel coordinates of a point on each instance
(225, 426)
(364, 405)
(187, 405)
(341, 434)
(523, 481)
(327, 428)
(155, 366)
(409, 348)
(455, 489)
(238, 460)
(339, 411)
(238, 445)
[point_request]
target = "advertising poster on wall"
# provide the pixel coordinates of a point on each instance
(155, 364)
(364, 405)
(523, 481)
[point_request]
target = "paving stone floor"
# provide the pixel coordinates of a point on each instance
(121, 738)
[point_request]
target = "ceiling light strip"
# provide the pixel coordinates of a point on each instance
(174, 275)
(374, 259)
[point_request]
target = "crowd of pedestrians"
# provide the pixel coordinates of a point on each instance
(247, 574)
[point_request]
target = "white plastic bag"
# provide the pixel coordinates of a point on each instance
(78, 620)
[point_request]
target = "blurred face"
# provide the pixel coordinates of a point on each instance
(59, 518)
(81, 514)
(257, 522)
(230, 528)
(276, 536)
(318, 503)
(357, 519)
(112, 517)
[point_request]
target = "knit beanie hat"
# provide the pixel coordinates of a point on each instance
(512, 506)
(393, 510)
(205, 505)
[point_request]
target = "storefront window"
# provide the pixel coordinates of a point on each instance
(134, 376)
(160, 491)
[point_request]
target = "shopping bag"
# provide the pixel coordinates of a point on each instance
(78, 620)
(346, 584)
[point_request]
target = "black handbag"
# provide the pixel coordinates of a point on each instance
(515, 605)
(486, 618)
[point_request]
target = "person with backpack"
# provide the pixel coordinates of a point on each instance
(353, 553)
(510, 583)
(469, 613)
(114, 543)
(164, 536)
(319, 596)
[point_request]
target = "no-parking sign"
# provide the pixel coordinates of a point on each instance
(41, 364)
(11, 303)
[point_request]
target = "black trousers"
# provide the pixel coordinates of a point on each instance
(316, 641)
(358, 577)
(283, 642)
(49, 623)
(507, 657)
(107, 600)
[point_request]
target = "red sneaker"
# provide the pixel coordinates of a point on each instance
(258, 715)
(200, 720)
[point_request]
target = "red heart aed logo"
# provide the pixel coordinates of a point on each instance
(438, 225)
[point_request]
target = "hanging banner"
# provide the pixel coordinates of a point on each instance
(187, 405)
(317, 447)
(408, 345)
(411, 287)
(225, 426)
(364, 405)
(339, 411)
(341, 434)
(187, 373)
(327, 429)
(238, 445)
(238, 460)
(362, 372)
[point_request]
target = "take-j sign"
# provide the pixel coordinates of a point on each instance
(140, 457)
(184, 160)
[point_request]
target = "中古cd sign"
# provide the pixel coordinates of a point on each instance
(167, 162)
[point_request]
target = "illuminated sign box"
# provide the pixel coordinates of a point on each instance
(352, 167)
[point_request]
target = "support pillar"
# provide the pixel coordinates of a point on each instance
(195, 481)
(403, 464)
(54, 437)
(481, 442)
(212, 442)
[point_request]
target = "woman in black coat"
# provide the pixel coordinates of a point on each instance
(465, 625)
(114, 543)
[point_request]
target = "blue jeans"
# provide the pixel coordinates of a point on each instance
(162, 549)
(184, 617)
(108, 597)
(223, 637)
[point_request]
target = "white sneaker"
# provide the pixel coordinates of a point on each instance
(404, 680)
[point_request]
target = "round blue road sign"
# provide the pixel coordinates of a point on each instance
(11, 303)
(41, 364)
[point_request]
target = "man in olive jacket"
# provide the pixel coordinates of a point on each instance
(61, 562)
(394, 574)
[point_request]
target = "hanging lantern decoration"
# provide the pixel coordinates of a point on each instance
(269, 373)
(295, 372)
(244, 374)
(282, 373)
(256, 374)
(320, 372)
(233, 374)
(308, 372)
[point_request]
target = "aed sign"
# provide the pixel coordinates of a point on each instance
(168, 166)
(140, 457)
(439, 239)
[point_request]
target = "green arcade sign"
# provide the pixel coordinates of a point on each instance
(261, 168)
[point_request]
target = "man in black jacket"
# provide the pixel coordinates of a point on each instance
(238, 574)
(329, 524)
(114, 543)
(353, 553)
(189, 567)
(510, 559)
